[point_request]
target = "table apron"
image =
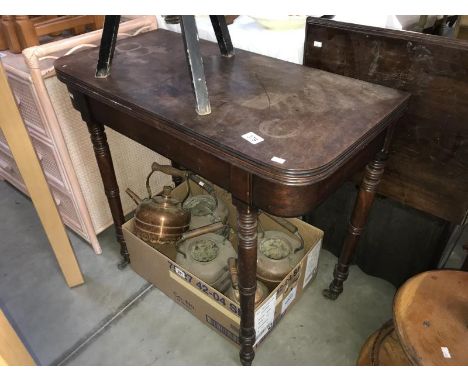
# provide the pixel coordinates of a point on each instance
(271, 196)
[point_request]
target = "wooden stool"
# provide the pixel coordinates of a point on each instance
(429, 326)
(192, 52)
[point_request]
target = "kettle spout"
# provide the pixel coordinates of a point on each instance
(134, 196)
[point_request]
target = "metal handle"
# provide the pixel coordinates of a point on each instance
(208, 187)
(283, 223)
(148, 188)
(232, 266)
(289, 226)
(166, 169)
(223, 282)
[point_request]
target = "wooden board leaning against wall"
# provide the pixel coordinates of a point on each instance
(26, 159)
(428, 165)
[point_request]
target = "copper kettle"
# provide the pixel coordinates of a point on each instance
(206, 257)
(278, 252)
(161, 219)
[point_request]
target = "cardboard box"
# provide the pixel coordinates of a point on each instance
(209, 305)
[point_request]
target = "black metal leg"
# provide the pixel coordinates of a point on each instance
(195, 64)
(106, 50)
(222, 35)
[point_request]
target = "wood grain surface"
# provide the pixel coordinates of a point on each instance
(428, 163)
(31, 171)
(430, 313)
(12, 350)
(313, 120)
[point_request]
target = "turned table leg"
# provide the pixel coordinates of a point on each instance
(373, 175)
(106, 168)
(247, 270)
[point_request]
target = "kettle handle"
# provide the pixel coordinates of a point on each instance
(290, 227)
(148, 188)
(165, 169)
(169, 170)
(213, 227)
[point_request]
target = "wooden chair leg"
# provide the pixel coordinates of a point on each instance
(26, 32)
(3, 41)
(9, 32)
(98, 22)
(79, 30)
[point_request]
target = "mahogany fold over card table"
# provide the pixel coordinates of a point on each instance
(281, 137)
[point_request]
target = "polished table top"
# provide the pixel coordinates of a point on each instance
(311, 121)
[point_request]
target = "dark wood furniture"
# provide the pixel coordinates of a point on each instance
(429, 326)
(428, 165)
(308, 129)
(21, 32)
(464, 266)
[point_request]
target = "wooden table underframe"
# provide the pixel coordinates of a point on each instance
(253, 185)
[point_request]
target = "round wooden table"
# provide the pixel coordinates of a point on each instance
(430, 324)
